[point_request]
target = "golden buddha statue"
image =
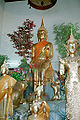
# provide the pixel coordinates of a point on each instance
(72, 82)
(42, 53)
(6, 86)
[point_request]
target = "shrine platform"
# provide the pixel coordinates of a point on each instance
(57, 111)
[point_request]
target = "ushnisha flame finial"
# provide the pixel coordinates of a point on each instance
(42, 24)
(72, 39)
(71, 31)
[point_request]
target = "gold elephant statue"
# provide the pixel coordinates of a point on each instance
(18, 92)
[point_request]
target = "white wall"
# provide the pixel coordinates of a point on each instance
(15, 14)
(1, 17)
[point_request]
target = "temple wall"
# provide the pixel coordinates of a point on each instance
(15, 14)
(1, 17)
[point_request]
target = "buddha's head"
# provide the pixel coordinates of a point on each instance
(4, 68)
(72, 48)
(72, 44)
(42, 32)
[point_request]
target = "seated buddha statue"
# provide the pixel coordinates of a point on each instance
(42, 53)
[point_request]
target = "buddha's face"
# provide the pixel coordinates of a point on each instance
(72, 48)
(42, 34)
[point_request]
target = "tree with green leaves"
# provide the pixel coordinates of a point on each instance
(2, 58)
(63, 32)
(24, 65)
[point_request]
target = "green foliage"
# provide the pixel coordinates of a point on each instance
(24, 65)
(17, 73)
(17, 76)
(2, 58)
(63, 32)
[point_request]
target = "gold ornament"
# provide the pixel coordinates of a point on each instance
(72, 83)
(6, 86)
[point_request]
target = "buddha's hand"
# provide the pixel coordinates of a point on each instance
(61, 60)
(32, 62)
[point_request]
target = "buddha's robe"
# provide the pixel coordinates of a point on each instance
(38, 48)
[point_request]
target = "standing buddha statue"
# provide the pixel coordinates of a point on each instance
(6, 86)
(42, 53)
(72, 82)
